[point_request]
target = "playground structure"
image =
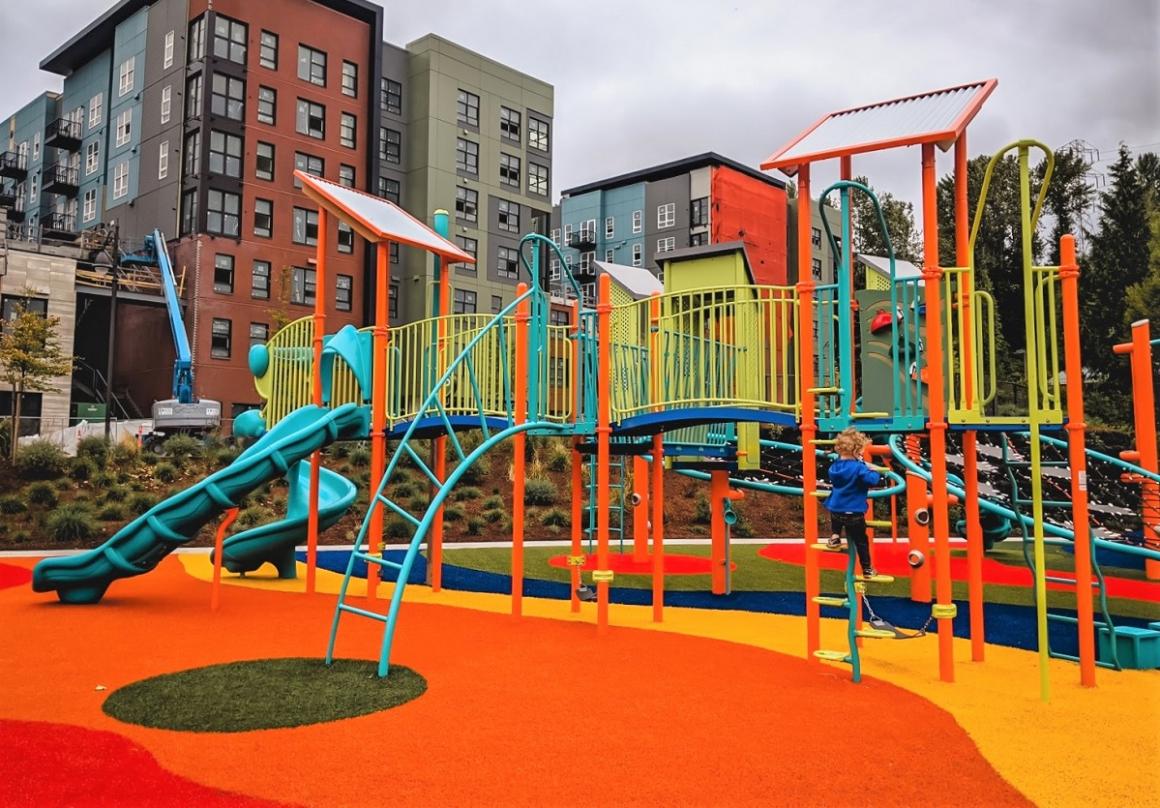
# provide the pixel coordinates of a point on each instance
(681, 377)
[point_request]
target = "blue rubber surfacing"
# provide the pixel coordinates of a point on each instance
(1004, 624)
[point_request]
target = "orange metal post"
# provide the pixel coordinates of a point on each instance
(577, 476)
(718, 490)
(380, 336)
(940, 519)
(809, 426)
(1144, 407)
(218, 541)
(1077, 460)
(520, 382)
(603, 437)
(658, 467)
(970, 437)
(320, 298)
(640, 510)
(436, 540)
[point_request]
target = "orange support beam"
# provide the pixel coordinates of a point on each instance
(577, 475)
(809, 425)
(1077, 460)
(640, 509)
(320, 298)
(658, 468)
(718, 493)
(380, 337)
(520, 382)
(1139, 351)
(603, 438)
(218, 541)
(435, 563)
(932, 273)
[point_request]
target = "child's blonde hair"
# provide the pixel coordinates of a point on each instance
(850, 442)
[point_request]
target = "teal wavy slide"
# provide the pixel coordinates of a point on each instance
(140, 545)
(275, 542)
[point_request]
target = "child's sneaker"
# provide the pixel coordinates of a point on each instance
(834, 543)
(585, 593)
(869, 573)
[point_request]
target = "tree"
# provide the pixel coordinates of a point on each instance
(1067, 197)
(1142, 299)
(899, 216)
(30, 357)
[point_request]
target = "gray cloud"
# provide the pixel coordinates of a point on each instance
(639, 83)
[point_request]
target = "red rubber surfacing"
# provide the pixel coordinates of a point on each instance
(11, 575)
(623, 563)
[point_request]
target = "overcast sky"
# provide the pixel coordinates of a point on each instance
(640, 83)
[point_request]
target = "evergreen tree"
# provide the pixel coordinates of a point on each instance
(1142, 299)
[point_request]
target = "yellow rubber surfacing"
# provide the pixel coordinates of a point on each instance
(1090, 746)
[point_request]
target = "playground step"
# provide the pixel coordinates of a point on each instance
(826, 600)
(875, 633)
(827, 548)
(832, 656)
(875, 579)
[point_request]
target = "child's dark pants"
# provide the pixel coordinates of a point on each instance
(855, 526)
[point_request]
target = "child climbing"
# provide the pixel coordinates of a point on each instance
(851, 480)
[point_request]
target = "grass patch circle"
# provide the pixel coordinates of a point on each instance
(263, 694)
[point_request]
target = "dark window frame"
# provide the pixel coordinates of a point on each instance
(315, 70)
(268, 231)
(221, 339)
(223, 283)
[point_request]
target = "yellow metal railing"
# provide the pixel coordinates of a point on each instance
(286, 383)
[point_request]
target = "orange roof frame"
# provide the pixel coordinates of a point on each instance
(376, 219)
(905, 121)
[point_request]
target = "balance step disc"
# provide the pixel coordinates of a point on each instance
(825, 548)
(825, 600)
(832, 656)
(876, 633)
(877, 579)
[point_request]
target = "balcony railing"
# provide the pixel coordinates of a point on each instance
(582, 240)
(58, 223)
(61, 179)
(13, 164)
(63, 133)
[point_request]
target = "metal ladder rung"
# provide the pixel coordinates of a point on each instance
(382, 618)
(382, 562)
(1055, 579)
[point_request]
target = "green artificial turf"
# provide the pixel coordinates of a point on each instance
(263, 694)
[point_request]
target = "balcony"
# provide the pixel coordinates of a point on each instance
(63, 133)
(583, 240)
(61, 179)
(12, 164)
(58, 224)
(7, 197)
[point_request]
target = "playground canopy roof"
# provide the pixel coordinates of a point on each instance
(939, 116)
(637, 281)
(903, 270)
(377, 219)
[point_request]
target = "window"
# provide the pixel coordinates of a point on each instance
(537, 179)
(350, 79)
(345, 238)
(197, 39)
(163, 160)
(496, 304)
(36, 147)
(220, 339)
(11, 305)
(509, 216)
(393, 301)
(347, 124)
(343, 292)
(311, 119)
(816, 268)
(229, 39)
(699, 213)
(267, 105)
(126, 75)
(390, 145)
(391, 96)
(555, 235)
(121, 180)
(305, 226)
(92, 157)
(223, 273)
(586, 259)
(268, 50)
(610, 255)
(559, 317)
(567, 234)
(225, 154)
(96, 110)
(264, 167)
(463, 302)
(312, 65)
(554, 269)
(609, 226)
(666, 215)
(394, 252)
(223, 213)
(259, 333)
(507, 263)
(302, 286)
(90, 205)
(124, 127)
(588, 231)
(637, 221)
(467, 108)
(227, 97)
(698, 239)
(346, 176)
(467, 204)
(309, 164)
(666, 244)
(471, 247)
(467, 156)
(189, 211)
(509, 124)
(389, 189)
(537, 134)
(509, 170)
(263, 218)
(166, 103)
(193, 96)
(260, 280)
(816, 236)
(167, 57)
(193, 153)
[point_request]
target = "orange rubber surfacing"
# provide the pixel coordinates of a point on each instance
(623, 563)
(516, 713)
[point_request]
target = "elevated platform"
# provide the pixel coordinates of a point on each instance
(668, 420)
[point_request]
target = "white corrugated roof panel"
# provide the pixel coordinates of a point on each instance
(637, 281)
(938, 116)
(903, 270)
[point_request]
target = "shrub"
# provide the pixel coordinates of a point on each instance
(404, 490)
(149, 458)
(493, 502)
(82, 469)
(475, 526)
(182, 447)
(165, 472)
(338, 451)
(477, 472)
(41, 460)
(112, 512)
(253, 516)
(139, 503)
(116, 493)
(702, 515)
(65, 484)
(398, 529)
(559, 458)
(539, 492)
(12, 504)
(360, 456)
(94, 448)
(123, 454)
(467, 492)
(124, 476)
(224, 456)
(71, 522)
(137, 485)
(103, 480)
(495, 515)
(555, 518)
(20, 537)
(41, 494)
(453, 513)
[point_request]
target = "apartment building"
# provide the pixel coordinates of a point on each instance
(822, 259)
(635, 218)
